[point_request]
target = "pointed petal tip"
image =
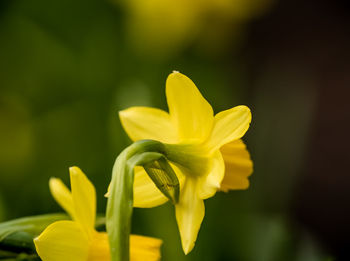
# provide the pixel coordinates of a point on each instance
(127, 113)
(246, 109)
(188, 247)
(175, 74)
(191, 113)
(122, 112)
(36, 239)
(74, 170)
(37, 242)
(55, 183)
(53, 180)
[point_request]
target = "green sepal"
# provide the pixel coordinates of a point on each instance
(164, 177)
(159, 170)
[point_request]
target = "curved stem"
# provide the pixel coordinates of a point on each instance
(120, 200)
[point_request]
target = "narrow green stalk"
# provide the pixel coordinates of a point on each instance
(120, 200)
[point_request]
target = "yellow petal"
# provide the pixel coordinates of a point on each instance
(62, 240)
(62, 195)
(208, 185)
(84, 199)
(238, 166)
(99, 247)
(148, 123)
(229, 125)
(144, 248)
(141, 248)
(146, 194)
(189, 214)
(190, 112)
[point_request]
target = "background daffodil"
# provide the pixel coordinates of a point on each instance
(211, 155)
(78, 240)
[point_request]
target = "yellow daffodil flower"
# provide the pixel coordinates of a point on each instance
(216, 157)
(77, 240)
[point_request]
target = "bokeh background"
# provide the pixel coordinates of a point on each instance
(67, 68)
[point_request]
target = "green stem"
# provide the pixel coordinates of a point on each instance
(120, 200)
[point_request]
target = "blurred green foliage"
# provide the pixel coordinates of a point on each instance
(67, 67)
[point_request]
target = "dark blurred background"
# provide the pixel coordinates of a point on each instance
(67, 67)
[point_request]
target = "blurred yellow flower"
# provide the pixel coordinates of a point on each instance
(164, 27)
(211, 155)
(78, 240)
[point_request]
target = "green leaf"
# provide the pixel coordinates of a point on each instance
(16, 236)
(18, 241)
(33, 225)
